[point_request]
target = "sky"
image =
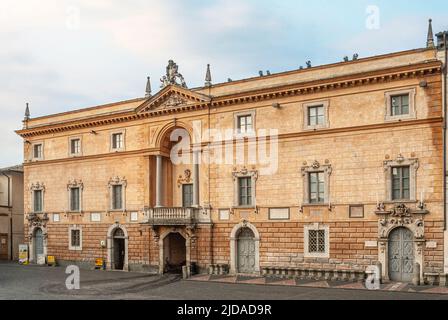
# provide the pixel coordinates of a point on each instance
(61, 55)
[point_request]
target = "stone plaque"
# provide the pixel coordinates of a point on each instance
(224, 215)
(279, 214)
(431, 245)
(371, 244)
(357, 211)
(244, 215)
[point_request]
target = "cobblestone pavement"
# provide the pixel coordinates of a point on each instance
(47, 283)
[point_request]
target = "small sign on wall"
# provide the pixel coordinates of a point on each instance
(371, 244)
(279, 214)
(431, 245)
(357, 211)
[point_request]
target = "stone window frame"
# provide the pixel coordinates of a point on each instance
(305, 108)
(37, 187)
(70, 139)
(70, 246)
(112, 133)
(412, 101)
(327, 169)
(33, 145)
(244, 173)
(237, 115)
(183, 200)
(73, 184)
(414, 165)
(316, 227)
(117, 181)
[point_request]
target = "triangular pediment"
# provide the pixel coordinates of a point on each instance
(172, 97)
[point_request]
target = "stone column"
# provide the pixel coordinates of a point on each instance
(196, 179)
(159, 181)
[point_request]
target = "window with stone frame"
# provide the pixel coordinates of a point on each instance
(75, 238)
(317, 241)
(244, 122)
(401, 179)
(400, 183)
(117, 141)
(75, 146)
(38, 196)
(244, 186)
(244, 191)
(38, 151)
(316, 183)
(316, 115)
(117, 199)
(75, 200)
(400, 104)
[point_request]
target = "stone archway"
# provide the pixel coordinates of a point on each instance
(162, 249)
(401, 217)
(117, 232)
(247, 230)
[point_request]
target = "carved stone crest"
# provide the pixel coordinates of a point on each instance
(172, 75)
(186, 179)
(401, 211)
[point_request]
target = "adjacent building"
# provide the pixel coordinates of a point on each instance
(11, 212)
(322, 171)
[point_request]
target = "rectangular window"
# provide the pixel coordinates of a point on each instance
(245, 124)
(117, 141)
(245, 191)
(75, 199)
(401, 183)
(187, 195)
(316, 115)
(400, 105)
(316, 241)
(38, 201)
(316, 187)
(75, 146)
(37, 151)
(117, 197)
(75, 235)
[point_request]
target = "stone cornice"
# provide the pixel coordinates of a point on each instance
(199, 102)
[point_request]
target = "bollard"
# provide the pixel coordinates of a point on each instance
(380, 268)
(416, 278)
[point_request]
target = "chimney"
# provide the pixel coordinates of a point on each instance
(442, 38)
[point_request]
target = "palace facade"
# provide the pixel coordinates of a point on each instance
(322, 171)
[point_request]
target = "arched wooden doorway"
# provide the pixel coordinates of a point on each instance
(119, 249)
(175, 253)
(38, 246)
(246, 251)
(401, 255)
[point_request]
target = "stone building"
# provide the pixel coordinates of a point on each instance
(322, 171)
(11, 212)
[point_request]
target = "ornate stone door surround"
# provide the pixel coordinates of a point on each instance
(398, 217)
(36, 221)
(110, 247)
(234, 246)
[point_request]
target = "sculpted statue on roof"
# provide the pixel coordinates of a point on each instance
(173, 76)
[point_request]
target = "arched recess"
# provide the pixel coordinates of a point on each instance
(165, 131)
(234, 246)
(110, 246)
(32, 254)
(162, 247)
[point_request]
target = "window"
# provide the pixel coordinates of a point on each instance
(117, 141)
(317, 187)
(317, 242)
(316, 116)
(134, 216)
(38, 151)
(75, 146)
(401, 183)
(187, 195)
(245, 191)
(75, 199)
(400, 105)
(38, 200)
(245, 124)
(95, 217)
(117, 197)
(75, 238)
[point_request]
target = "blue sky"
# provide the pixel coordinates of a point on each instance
(62, 55)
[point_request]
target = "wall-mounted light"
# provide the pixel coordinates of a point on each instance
(93, 132)
(423, 84)
(276, 105)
